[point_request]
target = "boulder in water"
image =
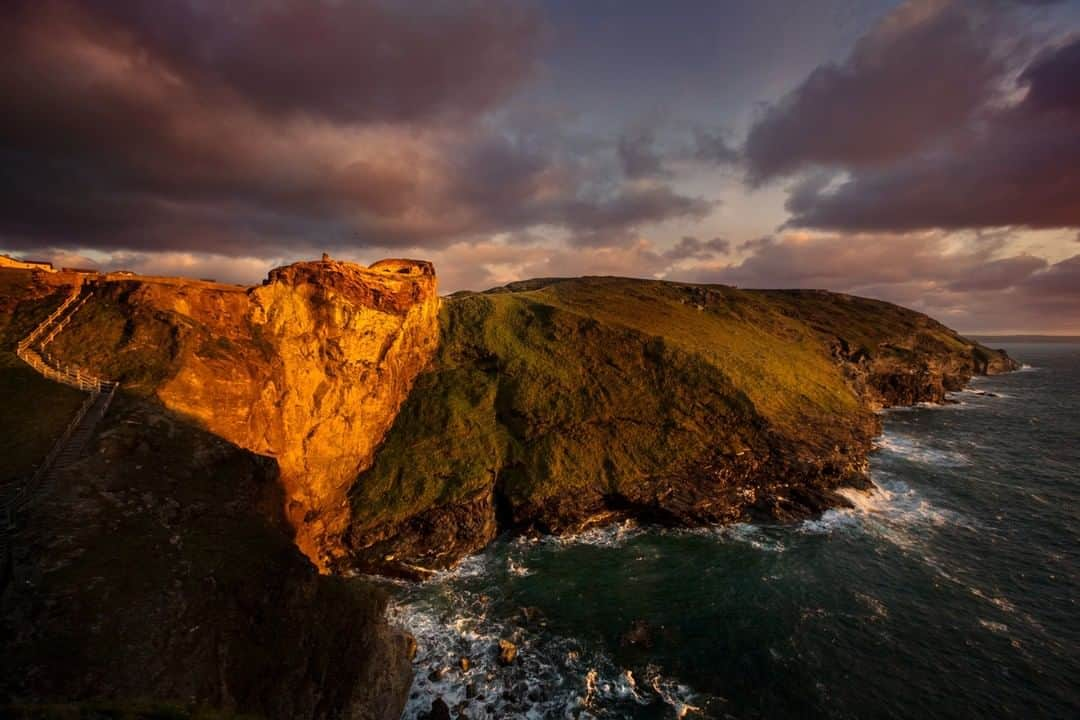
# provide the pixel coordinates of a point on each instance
(507, 652)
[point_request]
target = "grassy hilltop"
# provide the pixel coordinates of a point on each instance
(556, 403)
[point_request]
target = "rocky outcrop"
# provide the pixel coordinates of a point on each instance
(558, 405)
(309, 368)
(917, 371)
(551, 405)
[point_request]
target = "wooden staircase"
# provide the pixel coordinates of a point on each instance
(69, 447)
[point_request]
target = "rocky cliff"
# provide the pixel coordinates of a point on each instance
(309, 368)
(351, 412)
(555, 405)
(158, 576)
(546, 406)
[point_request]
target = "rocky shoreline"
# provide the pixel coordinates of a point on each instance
(728, 491)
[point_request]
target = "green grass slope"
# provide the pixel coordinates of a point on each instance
(562, 400)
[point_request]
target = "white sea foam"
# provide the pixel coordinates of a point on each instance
(553, 676)
(999, 602)
(758, 537)
(460, 614)
(892, 510)
(919, 451)
(1000, 628)
(613, 535)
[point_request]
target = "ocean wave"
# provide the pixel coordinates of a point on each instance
(892, 510)
(970, 393)
(955, 404)
(766, 539)
(918, 451)
(997, 627)
(612, 535)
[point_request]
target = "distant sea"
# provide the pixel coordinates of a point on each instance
(950, 592)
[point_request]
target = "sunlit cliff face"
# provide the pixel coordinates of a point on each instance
(332, 353)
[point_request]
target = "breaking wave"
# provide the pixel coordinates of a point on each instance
(920, 451)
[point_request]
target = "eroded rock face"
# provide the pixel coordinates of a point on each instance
(348, 343)
(310, 368)
(337, 349)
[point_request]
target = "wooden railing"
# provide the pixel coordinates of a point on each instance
(60, 325)
(31, 350)
(26, 341)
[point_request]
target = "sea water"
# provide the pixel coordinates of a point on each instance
(951, 591)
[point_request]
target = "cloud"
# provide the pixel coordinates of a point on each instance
(713, 148)
(1060, 281)
(896, 139)
(361, 60)
(631, 207)
(638, 156)
(999, 274)
(1019, 166)
(283, 128)
(921, 73)
(690, 248)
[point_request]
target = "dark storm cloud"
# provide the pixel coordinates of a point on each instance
(632, 207)
(1019, 166)
(1060, 281)
(1052, 80)
(921, 73)
(999, 274)
(251, 128)
(920, 119)
(357, 60)
(690, 248)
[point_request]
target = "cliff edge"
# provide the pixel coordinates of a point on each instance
(309, 368)
(554, 405)
(156, 574)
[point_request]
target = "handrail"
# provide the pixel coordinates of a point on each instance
(25, 342)
(50, 368)
(58, 446)
(54, 370)
(62, 324)
(17, 501)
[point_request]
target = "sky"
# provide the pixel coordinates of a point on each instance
(924, 152)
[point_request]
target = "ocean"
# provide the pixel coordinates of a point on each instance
(952, 591)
